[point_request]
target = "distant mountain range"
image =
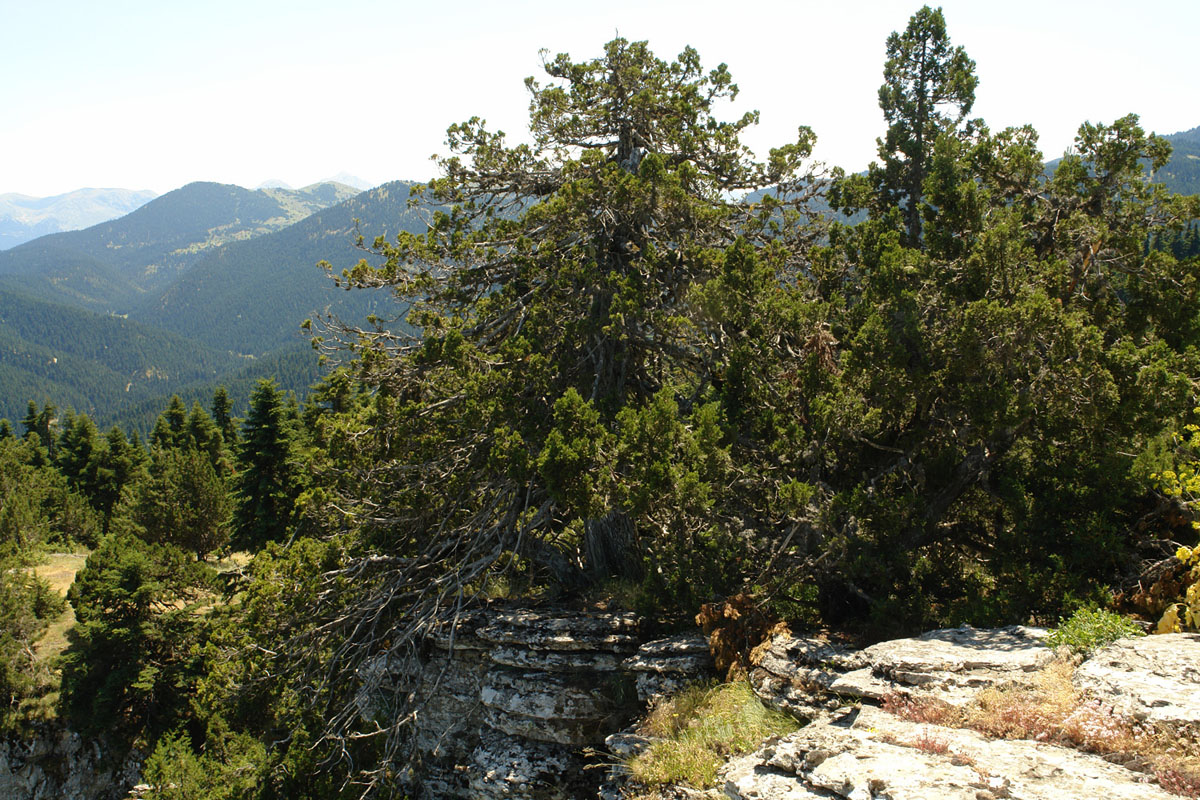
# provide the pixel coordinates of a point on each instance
(113, 266)
(23, 218)
(342, 177)
(204, 285)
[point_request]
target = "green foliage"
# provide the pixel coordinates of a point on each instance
(269, 477)
(37, 506)
(1181, 482)
(699, 729)
(27, 606)
(240, 702)
(924, 77)
(180, 500)
(228, 768)
(222, 415)
(1090, 629)
(130, 663)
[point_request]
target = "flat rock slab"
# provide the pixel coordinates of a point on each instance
(569, 661)
(871, 754)
(985, 654)
(687, 654)
(1150, 678)
(799, 675)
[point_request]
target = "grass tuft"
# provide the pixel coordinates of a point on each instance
(702, 727)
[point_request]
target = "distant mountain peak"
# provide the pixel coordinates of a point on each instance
(274, 183)
(350, 180)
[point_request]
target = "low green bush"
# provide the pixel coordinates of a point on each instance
(1089, 629)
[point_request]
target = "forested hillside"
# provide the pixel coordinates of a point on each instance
(629, 366)
(93, 362)
(262, 289)
(112, 266)
(1182, 172)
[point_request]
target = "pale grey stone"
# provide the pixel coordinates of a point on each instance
(876, 755)
(1150, 678)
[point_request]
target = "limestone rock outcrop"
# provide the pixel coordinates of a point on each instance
(58, 764)
(514, 697)
(807, 677)
(665, 666)
(868, 753)
(863, 752)
(1152, 679)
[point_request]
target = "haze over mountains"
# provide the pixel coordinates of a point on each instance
(23, 218)
(204, 285)
(208, 285)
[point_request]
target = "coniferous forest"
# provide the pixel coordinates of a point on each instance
(641, 368)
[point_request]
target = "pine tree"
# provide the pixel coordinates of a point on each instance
(169, 427)
(182, 501)
(202, 434)
(222, 412)
(558, 410)
(116, 467)
(268, 478)
(77, 453)
(924, 77)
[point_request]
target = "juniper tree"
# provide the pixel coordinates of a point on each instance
(557, 411)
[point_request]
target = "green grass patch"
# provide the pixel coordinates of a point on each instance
(699, 729)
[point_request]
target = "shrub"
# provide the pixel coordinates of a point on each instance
(1089, 629)
(701, 728)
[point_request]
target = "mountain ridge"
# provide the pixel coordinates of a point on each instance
(25, 217)
(145, 250)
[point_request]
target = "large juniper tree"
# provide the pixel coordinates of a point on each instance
(558, 413)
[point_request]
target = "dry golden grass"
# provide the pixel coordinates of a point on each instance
(1053, 710)
(233, 561)
(59, 571)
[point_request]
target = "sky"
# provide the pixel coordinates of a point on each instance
(154, 95)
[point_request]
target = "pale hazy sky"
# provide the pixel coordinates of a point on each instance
(153, 95)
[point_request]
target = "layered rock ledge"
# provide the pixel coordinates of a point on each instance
(807, 677)
(863, 752)
(868, 753)
(515, 698)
